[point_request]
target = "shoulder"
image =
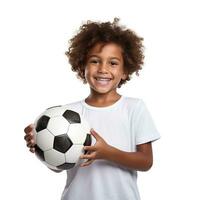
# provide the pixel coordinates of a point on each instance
(132, 102)
(75, 106)
(131, 99)
(133, 105)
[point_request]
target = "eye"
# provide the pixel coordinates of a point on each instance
(94, 61)
(113, 63)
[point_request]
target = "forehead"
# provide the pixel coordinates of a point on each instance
(109, 49)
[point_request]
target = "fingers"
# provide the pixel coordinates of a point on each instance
(29, 128)
(29, 137)
(32, 150)
(89, 148)
(87, 156)
(30, 143)
(31, 147)
(88, 162)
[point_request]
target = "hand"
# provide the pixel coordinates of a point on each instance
(29, 137)
(99, 151)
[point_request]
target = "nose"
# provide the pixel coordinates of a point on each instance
(103, 68)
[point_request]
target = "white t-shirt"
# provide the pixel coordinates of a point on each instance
(123, 125)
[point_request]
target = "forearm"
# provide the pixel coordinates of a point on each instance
(134, 160)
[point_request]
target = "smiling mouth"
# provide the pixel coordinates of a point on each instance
(102, 81)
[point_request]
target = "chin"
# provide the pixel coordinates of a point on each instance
(103, 90)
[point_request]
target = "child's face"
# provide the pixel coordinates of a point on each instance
(104, 67)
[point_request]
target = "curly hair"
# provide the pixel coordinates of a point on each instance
(92, 33)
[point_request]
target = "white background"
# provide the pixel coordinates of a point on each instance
(35, 74)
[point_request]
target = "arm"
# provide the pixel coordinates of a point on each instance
(140, 160)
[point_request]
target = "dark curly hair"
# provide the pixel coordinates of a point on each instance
(92, 33)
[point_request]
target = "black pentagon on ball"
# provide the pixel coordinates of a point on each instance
(66, 166)
(39, 153)
(42, 123)
(72, 117)
(88, 142)
(62, 143)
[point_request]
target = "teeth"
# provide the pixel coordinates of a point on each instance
(103, 79)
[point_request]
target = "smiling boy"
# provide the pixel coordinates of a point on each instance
(105, 55)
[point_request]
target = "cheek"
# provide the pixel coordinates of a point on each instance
(88, 74)
(118, 73)
(89, 70)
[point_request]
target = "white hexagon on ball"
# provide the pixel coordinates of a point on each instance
(77, 133)
(55, 111)
(52, 112)
(44, 140)
(73, 154)
(85, 125)
(58, 125)
(54, 158)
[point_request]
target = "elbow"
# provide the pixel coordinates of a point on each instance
(147, 165)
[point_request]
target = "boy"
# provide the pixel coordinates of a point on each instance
(104, 55)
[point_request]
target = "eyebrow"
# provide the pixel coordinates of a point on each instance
(93, 55)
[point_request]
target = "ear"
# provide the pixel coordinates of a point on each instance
(124, 76)
(83, 75)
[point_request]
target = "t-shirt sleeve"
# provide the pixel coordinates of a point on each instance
(144, 127)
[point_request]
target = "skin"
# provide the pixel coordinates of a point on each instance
(103, 72)
(104, 62)
(29, 137)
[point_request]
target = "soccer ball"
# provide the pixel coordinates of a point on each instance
(60, 134)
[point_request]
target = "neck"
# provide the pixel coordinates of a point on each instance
(101, 100)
